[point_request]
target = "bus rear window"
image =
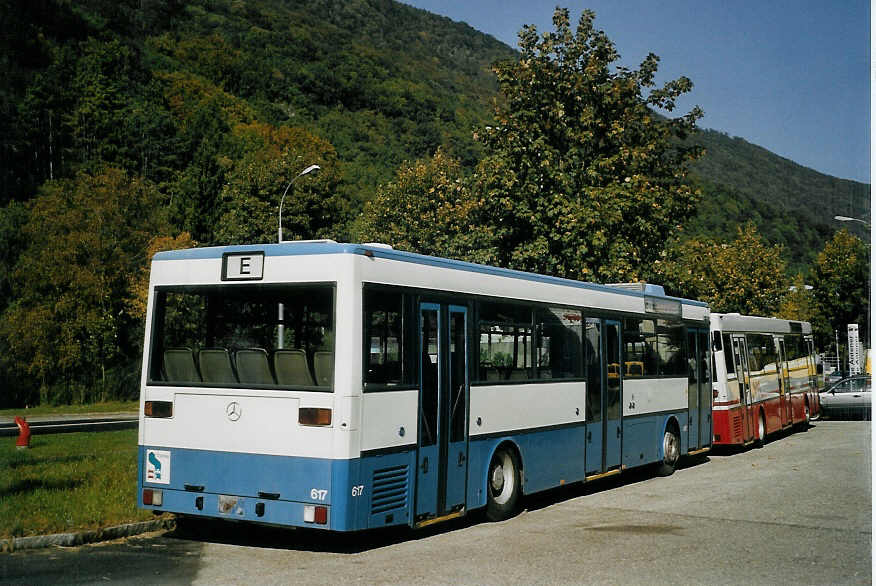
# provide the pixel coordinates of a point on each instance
(244, 336)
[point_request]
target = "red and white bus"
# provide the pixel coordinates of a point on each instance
(764, 377)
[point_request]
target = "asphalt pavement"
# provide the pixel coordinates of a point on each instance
(797, 511)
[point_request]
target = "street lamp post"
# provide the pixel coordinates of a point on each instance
(281, 329)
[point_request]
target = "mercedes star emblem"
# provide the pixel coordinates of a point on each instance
(233, 411)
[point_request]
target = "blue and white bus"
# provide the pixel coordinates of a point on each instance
(353, 386)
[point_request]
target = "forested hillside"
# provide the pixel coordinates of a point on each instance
(120, 82)
(130, 126)
(790, 204)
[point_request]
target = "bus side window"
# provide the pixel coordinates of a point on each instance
(558, 343)
(729, 364)
(640, 348)
(506, 341)
(384, 350)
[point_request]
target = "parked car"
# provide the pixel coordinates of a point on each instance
(850, 397)
(833, 377)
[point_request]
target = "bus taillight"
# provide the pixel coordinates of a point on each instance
(315, 514)
(314, 416)
(163, 409)
(152, 497)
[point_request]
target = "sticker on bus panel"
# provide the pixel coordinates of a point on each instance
(158, 466)
(243, 266)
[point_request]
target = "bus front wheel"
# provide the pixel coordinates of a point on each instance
(503, 485)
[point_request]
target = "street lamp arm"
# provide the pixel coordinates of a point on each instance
(850, 219)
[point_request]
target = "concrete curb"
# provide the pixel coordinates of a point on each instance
(73, 539)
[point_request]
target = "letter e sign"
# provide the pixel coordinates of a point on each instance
(243, 266)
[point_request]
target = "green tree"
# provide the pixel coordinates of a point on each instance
(270, 158)
(841, 285)
(138, 282)
(746, 275)
(13, 217)
(205, 116)
(68, 331)
(799, 304)
(582, 177)
(429, 209)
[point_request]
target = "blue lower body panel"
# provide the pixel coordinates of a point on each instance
(373, 491)
(643, 437)
(359, 493)
(550, 458)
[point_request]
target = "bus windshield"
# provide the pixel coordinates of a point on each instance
(244, 336)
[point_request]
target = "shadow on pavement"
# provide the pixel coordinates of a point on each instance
(299, 539)
(261, 536)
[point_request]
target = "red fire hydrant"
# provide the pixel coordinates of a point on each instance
(23, 441)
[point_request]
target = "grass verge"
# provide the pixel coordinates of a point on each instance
(69, 482)
(108, 407)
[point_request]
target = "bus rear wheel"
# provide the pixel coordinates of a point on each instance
(671, 452)
(503, 485)
(807, 417)
(761, 431)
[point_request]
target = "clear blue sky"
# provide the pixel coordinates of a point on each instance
(789, 75)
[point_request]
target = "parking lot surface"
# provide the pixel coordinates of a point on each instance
(796, 511)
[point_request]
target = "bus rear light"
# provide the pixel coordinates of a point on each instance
(163, 409)
(315, 514)
(314, 416)
(152, 497)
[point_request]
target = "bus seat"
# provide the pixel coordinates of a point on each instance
(252, 366)
(179, 365)
(216, 365)
(634, 368)
(324, 366)
(291, 368)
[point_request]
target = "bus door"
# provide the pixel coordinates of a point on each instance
(810, 362)
(784, 384)
(442, 441)
(613, 392)
(699, 389)
(693, 392)
(603, 451)
(740, 360)
(704, 360)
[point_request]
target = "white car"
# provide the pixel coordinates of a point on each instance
(849, 397)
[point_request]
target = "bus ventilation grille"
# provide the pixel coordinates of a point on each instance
(737, 426)
(390, 489)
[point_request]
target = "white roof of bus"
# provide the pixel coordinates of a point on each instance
(692, 309)
(734, 322)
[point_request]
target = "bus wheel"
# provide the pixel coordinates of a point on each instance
(503, 485)
(761, 431)
(817, 415)
(671, 452)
